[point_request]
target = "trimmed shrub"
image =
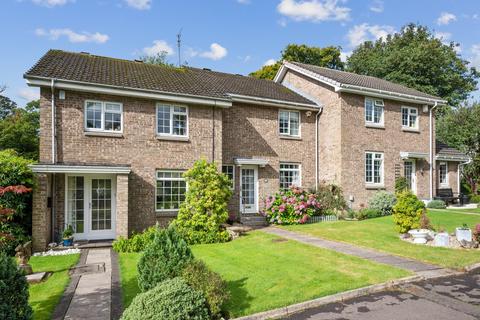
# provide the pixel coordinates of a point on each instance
(164, 258)
(291, 206)
(367, 213)
(407, 212)
(172, 299)
(332, 199)
(436, 204)
(214, 288)
(475, 198)
(137, 242)
(13, 291)
(205, 209)
(382, 201)
(401, 184)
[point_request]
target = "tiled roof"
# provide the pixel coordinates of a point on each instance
(349, 78)
(82, 67)
(443, 149)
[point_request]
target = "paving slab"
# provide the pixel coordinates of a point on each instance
(369, 254)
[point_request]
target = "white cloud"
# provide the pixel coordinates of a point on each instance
(443, 36)
(365, 32)
(190, 52)
(247, 58)
(475, 59)
(344, 55)
(216, 52)
(269, 62)
(75, 37)
(313, 10)
(445, 18)
(158, 46)
(28, 94)
(51, 3)
(139, 4)
(377, 6)
(243, 1)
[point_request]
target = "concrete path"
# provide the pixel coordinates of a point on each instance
(455, 297)
(92, 298)
(369, 254)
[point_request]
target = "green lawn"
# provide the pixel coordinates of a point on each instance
(264, 273)
(45, 296)
(380, 234)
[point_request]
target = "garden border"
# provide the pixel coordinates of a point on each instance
(116, 303)
(62, 307)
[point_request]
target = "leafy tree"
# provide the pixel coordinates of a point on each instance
(460, 129)
(7, 106)
(324, 57)
(159, 58)
(20, 129)
(201, 216)
(415, 58)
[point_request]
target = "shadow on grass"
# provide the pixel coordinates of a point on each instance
(239, 298)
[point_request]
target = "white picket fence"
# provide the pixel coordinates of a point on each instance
(315, 219)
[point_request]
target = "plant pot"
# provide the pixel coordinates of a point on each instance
(420, 236)
(68, 242)
(442, 239)
(463, 234)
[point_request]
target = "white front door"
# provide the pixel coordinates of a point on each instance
(249, 189)
(409, 172)
(90, 206)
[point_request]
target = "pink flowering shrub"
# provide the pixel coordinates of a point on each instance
(291, 206)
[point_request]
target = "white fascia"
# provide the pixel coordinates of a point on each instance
(48, 168)
(126, 91)
(273, 102)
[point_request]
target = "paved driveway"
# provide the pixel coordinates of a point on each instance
(455, 297)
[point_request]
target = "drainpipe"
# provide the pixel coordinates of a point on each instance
(431, 148)
(54, 158)
(317, 116)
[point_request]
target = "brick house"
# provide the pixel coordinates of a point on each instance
(113, 148)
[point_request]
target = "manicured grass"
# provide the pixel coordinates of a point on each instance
(380, 234)
(46, 295)
(265, 272)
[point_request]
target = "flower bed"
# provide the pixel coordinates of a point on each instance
(291, 206)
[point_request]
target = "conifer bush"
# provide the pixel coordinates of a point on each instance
(407, 211)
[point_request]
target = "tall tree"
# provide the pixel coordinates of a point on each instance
(159, 58)
(19, 130)
(7, 106)
(460, 128)
(324, 57)
(415, 58)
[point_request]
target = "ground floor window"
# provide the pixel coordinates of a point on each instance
(289, 175)
(75, 203)
(170, 191)
(443, 174)
(374, 168)
(229, 170)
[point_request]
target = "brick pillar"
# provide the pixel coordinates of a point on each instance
(41, 227)
(121, 221)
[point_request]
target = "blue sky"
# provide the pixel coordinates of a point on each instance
(236, 36)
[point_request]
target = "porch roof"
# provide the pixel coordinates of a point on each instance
(250, 161)
(413, 155)
(80, 168)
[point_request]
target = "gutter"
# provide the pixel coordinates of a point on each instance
(430, 117)
(273, 102)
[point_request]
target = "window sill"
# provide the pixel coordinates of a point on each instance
(374, 126)
(104, 134)
(172, 138)
(166, 213)
(374, 186)
(410, 130)
(290, 137)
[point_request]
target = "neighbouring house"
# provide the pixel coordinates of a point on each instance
(120, 134)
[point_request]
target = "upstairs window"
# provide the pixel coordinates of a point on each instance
(289, 175)
(229, 171)
(410, 118)
(374, 168)
(172, 120)
(289, 123)
(103, 116)
(374, 111)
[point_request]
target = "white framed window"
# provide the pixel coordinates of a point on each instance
(103, 116)
(170, 190)
(289, 123)
(374, 111)
(229, 170)
(172, 120)
(374, 168)
(290, 175)
(443, 174)
(410, 118)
